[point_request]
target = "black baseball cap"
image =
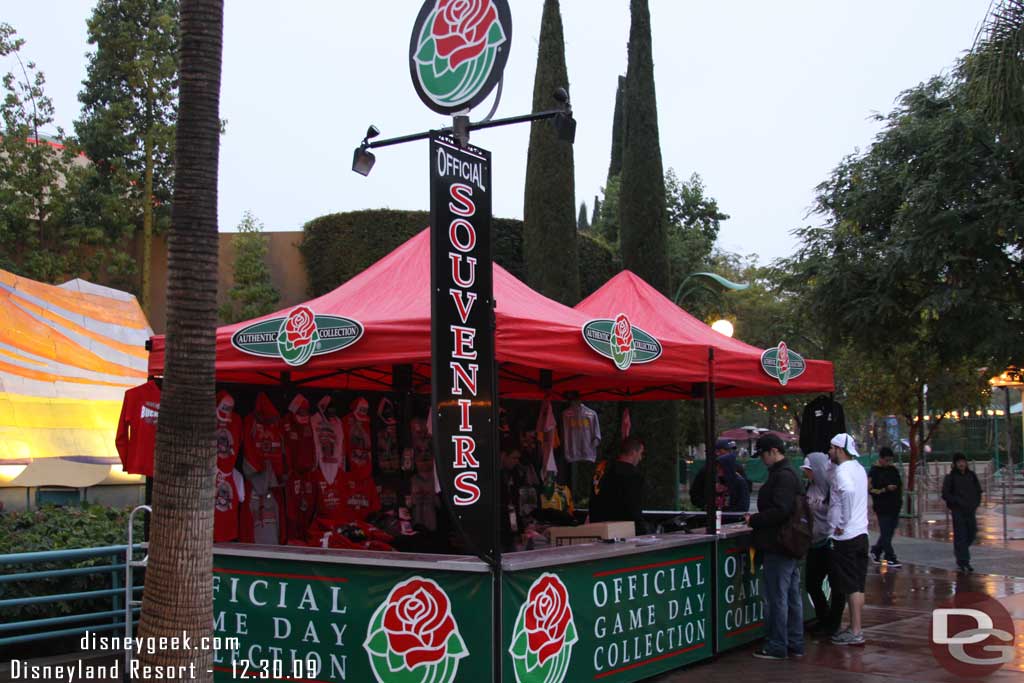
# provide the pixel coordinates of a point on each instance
(767, 442)
(725, 445)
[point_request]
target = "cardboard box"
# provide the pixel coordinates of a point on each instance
(591, 533)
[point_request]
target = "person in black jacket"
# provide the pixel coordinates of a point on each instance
(962, 493)
(776, 501)
(618, 495)
(886, 488)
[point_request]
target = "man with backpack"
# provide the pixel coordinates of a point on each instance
(848, 515)
(778, 499)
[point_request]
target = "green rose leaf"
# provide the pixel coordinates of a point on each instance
(570, 633)
(456, 646)
(427, 53)
(520, 643)
(395, 662)
(378, 644)
(532, 660)
(496, 34)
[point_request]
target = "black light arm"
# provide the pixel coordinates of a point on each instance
(525, 118)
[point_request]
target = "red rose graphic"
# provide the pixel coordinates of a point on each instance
(300, 327)
(547, 617)
(623, 333)
(418, 622)
(460, 29)
(782, 360)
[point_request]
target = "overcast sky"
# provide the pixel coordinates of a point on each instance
(762, 99)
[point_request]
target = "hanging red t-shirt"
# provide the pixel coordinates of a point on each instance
(299, 447)
(300, 504)
(136, 428)
(229, 494)
(228, 432)
(357, 441)
(344, 500)
(263, 437)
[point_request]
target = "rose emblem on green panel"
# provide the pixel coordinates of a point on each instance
(544, 634)
(298, 336)
(782, 363)
(454, 55)
(622, 342)
(413, 636)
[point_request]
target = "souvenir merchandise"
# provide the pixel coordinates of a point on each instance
(229, 494)
(547, 435)
(387, 453)
(228, 432)
(136, 428)
(264, 442)
(423, 499)
(329, 439)
(356, 426)
(300, 504)
(299, 441)
(582, 433)
(260, 520)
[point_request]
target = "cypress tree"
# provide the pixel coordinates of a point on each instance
(596, 212)
(582, 222)
(643, 236)
(549, 211)
(615, 165)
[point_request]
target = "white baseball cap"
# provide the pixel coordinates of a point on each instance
(846, 442)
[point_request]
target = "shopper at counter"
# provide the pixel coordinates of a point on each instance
(783, 598)
(829, 611)
(618, 495)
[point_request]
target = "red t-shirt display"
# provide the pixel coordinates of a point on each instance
(264, 441)
(300, 505)
(356, 426)
(136, 428)
(228, 432)
(228, 497)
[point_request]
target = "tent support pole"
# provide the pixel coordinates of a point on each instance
(710, 477)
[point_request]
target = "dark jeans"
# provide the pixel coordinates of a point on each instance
(965, 528)
(829, 611)
(887, 524)
(784, 605)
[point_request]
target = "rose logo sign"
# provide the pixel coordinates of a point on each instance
(625, 344)
(413, 637)
(544, 633)
(622, 342)
(297, 337)
(782, 363)
(458, 51)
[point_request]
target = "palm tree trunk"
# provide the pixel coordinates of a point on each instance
(179, 585)
(147, 223)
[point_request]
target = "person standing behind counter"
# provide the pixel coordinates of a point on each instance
(618, 494)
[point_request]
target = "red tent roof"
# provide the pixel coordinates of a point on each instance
(737, 366)
(391, 299)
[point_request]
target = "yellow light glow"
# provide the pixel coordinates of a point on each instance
(977, 413)
(991, 412)
(9, 472)
(927, 417)
(723, 327)
(1000, 413)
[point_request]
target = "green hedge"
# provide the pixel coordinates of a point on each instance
(598, 262)
(338, 246)
(60, 528)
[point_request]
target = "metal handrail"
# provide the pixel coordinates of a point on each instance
(115, 569)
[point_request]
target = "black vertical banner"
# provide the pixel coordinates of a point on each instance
(462, 339)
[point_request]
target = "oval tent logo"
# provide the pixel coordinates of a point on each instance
(458, 51)
(782, 363)
(621, 341)
(297, 337)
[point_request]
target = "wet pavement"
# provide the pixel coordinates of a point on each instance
(897, 625)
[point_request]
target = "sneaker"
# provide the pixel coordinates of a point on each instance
(970, 569)
(877, 559)
(795, 655)
(892, 564)
(761, 653)
(848, 638)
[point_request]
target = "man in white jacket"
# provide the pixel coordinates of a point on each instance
(848, 516)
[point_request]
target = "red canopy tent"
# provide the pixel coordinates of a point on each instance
(539, 343)
(737, 365)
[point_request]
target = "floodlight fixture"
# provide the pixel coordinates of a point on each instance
(362, 160)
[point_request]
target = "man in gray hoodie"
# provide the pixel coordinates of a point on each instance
(829, 611)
